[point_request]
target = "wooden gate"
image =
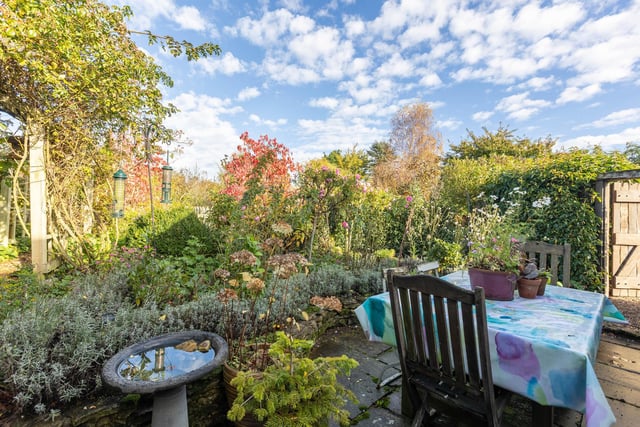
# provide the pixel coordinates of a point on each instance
(622, 238)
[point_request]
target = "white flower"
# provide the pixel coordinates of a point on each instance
(540, 203)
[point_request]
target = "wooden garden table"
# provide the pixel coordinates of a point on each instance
(543, 349)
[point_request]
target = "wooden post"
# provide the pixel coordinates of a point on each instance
(38, 201)
(5, 212)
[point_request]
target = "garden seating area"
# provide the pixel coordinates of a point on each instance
(617, 370)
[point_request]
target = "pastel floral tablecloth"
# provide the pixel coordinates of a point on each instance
(542, 348)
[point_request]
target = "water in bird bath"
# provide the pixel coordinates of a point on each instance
(162, 363)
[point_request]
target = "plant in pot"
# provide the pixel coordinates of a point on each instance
(494, 253)
(531, 271)
(255, 294)
(545, 278)
(294, 390)
(529, 280)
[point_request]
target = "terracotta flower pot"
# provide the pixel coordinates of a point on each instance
(528, 288)
(229, 373)
(543, 285)
(497, 285)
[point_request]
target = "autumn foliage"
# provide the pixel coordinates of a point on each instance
(263, 165)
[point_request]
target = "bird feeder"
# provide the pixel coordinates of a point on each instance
(166, 184)
(119, 179)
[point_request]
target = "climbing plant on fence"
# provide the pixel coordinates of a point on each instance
(556, 197)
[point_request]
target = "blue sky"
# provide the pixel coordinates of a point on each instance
(329, 75)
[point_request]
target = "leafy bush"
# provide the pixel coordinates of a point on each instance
(70, 337)
(294, 390)
(448, 254)
(25, 288)
(556, 198)
(8, 252)
(171, 232)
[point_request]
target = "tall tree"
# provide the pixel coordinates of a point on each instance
(632, 152)
(353, 161)
(501, 142)
(414, 167)
(417, 149)
(379, 152)
(257, 166)
(72, 76)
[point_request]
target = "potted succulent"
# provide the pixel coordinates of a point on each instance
(529, 280)
(494, 254)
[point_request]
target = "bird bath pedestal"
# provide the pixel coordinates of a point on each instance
(163, 366)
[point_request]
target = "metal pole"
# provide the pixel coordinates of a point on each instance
(147, 146)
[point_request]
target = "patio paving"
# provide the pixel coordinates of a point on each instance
(618, 369)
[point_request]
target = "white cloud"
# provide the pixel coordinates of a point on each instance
(200, 119)
(578, 94)
(323, 51)
(364, 90)
(391, 19)
(291, 74)
(448, 124)
(325, 102)
(294, 5)
(395, 66)
(520, 107)
(189, 18)
(354, 27)
(615, 141)
(265, 31)
(320, 137)
(629, 115)
(430, 79)
(268, 30)
(265, 122)
(533, 22)
(606, 49)
(482, 116)
(227, 64)
(538, 83)
(248, 93)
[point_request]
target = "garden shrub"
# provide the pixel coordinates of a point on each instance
(24, 288)
(8, 252)
(172, 230)
(448, 254)
(52, 352)
(463, 180)
(331, 280)
(335, 280)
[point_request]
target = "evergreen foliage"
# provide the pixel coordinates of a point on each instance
(294, 390)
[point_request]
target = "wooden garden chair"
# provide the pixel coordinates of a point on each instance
(549, 256)
(442, 338)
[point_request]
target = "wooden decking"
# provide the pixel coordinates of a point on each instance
(618, 369)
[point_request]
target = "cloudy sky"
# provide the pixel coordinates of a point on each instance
(327, 75)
